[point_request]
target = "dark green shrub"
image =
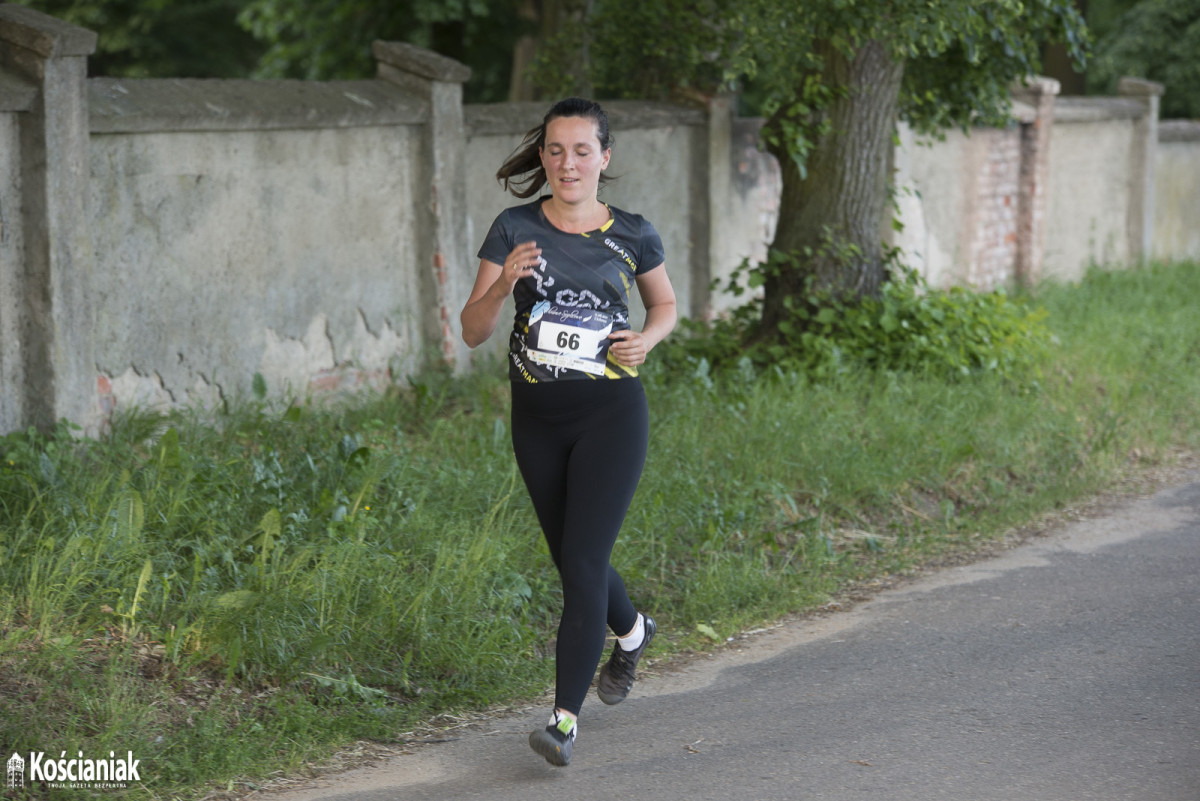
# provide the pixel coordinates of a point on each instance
(910, 327)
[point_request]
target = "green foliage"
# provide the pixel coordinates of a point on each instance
(591, 50)
(1158, 40)
(310, 39)
(160, 38)
(947, 333)
(688, 52)
(963, 58)
(693, 52)
(960, 57)
(235, 544)
(328, 39)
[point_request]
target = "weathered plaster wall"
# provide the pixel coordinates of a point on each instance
(748, 217)
(1177, 199)
(957, 199)
(281, 252)
(1088, 203)
(932, 199)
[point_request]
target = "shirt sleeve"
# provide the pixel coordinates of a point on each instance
(498, 242)
(651, 249)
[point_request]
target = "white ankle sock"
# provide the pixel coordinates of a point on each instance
(634, 640)
(556, 720)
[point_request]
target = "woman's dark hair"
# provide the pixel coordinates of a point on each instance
(522, 172)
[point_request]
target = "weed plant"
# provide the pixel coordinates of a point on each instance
(230, 597)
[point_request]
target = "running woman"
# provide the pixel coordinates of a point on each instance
(579, 417)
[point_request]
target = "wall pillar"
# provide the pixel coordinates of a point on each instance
(1141, 166)
(447, 283)
(1034, 176)
(710, 203)
(16, 99)
(58, 364)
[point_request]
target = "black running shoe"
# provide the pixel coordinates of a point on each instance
(616, 676)
(555, 742)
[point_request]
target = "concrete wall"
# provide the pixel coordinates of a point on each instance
(249, 243)
(1101, 185)
(321, 235)
(1089, 197)
(1177, 191)
(959, 202)
(751, 207)
(937, 200)
(1073, 182)
(164, 241)
(972, 204)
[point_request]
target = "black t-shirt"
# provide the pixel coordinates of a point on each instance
(579, 293)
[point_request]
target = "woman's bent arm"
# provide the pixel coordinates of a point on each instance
(482, 312)
(631, 347)
(493, 284)
(658, 296)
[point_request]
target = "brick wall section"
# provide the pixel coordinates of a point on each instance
(348, 379)
(994, 234)
(1007, 228)
(105, 396)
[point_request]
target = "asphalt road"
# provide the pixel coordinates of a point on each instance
(1067, 669)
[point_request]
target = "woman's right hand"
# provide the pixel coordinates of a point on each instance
(520, 263)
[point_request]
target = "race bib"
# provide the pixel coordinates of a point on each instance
(573, 338)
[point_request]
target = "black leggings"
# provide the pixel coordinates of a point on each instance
(581, 446)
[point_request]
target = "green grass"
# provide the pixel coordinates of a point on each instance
(227, 598)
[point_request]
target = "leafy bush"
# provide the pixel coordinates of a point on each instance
(910, 327)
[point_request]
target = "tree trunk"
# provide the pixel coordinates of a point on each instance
(520, 88)
(831, 219)
(555, 19)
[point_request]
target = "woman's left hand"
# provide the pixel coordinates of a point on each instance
(628, 348)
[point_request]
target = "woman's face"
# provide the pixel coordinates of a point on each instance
(573, 158)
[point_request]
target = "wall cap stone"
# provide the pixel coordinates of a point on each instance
(489, 119)
(45, 35)
(1074, 108)
(124, 105)
(1037, 85)
(1179, 131)
(420, 62)
(1139, 87)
